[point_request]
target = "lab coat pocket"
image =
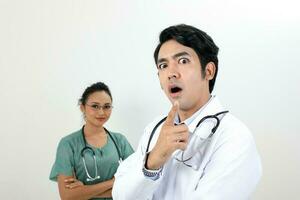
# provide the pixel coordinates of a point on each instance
(195, 161)
(196, 152)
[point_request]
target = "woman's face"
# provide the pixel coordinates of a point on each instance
(97, 108)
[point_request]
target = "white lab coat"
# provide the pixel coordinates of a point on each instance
(225, 167)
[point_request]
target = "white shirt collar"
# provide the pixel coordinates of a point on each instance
(189, 120)
(212, 107)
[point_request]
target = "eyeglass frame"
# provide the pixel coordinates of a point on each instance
(104, 107)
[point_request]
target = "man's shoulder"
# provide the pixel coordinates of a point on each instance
(154, 125)
(234, 129)
(157, 121)
(232, 122)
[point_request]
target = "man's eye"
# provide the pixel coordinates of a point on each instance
(183, 61)
(162, 66)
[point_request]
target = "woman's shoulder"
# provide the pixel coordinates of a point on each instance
(117, 135)
(72, 137)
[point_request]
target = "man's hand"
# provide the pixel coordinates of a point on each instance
(171, 138)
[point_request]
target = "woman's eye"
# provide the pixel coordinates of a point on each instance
(107, 107)
(162, 66)
(183, 60)
(95, 106)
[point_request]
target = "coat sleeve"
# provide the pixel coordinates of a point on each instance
(130, 182)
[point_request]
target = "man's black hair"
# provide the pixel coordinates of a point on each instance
(196, 39)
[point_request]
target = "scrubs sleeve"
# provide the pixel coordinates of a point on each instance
(126, 148)
(64, 161)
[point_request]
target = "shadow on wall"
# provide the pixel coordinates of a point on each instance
(281, 163)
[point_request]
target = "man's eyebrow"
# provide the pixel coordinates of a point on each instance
(161, 60)
(184, 53)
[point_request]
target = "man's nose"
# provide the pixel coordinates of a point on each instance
(173, 71)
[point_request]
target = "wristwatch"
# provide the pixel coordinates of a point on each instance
(153, 174)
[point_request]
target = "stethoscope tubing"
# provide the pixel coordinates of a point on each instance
(93, 152)
(86, 148)
(215, 116)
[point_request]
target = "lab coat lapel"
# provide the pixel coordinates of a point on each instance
(213, 107)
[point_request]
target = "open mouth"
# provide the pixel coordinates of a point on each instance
(175, 89)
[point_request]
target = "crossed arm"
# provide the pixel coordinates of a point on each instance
(71, 188)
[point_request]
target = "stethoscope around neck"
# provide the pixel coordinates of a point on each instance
(86, 148)
(213, 130)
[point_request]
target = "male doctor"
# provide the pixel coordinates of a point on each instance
(200, 151)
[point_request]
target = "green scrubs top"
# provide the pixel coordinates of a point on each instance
(69, 160)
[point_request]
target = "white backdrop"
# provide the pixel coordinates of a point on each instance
(51, 50)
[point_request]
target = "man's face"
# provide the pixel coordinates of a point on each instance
(180, 75)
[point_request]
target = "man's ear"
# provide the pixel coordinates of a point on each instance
(210, 71)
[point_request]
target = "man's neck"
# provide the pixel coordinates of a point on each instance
(183, 115)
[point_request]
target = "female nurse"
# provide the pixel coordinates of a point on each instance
(87, 159)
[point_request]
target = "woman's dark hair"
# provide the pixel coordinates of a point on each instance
(196, 39)
(96, 87)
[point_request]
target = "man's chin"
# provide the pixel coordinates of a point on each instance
(179, 99)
